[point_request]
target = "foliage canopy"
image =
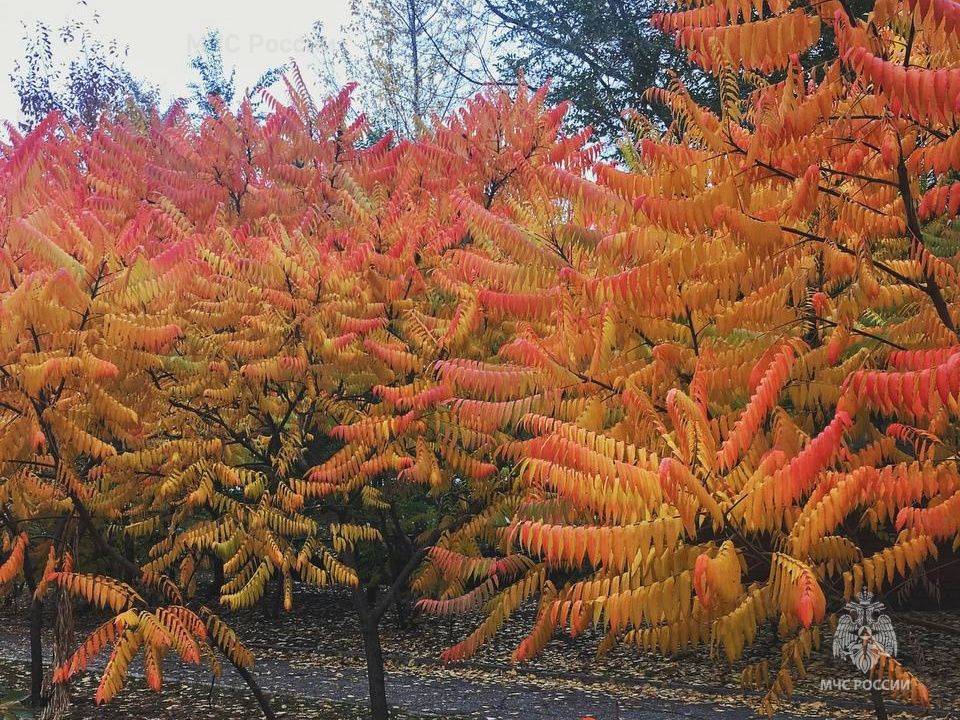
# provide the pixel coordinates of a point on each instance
(676, 400)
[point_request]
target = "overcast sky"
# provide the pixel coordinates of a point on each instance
(163, 36)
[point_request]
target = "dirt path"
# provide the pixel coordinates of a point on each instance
(427, 694)
(422, 691)
(310, 663)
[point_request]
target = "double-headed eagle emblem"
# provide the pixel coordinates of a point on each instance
(865, 635)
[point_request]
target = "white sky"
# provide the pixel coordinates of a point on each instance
(163, 36)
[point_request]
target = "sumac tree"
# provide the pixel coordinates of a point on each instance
(675, 400)
(748, 365)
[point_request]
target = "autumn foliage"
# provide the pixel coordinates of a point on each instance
(671, 398)
(752, 363)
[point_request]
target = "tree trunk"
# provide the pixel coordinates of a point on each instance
(371, 606)
(36, 652)
(401, 607)
(375, 672)
(878, 707)
(212, 591)
(261, 699)
(57, 695)
(275, 602)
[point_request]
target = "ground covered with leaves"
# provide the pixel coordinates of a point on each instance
(310, 662)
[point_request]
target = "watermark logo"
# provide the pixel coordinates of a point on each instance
(234, 43)
(865, 634)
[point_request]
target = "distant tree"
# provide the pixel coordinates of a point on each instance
(601, 54)
(215, 80)
(411, 58)
(69, 69)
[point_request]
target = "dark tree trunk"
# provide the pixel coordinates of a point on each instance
(370, 630)
(371, 606)
(276, 602)
(36, 652)
(258, 695)
(57, 695)
(212, 591)
(878, 707)
(402, 608)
